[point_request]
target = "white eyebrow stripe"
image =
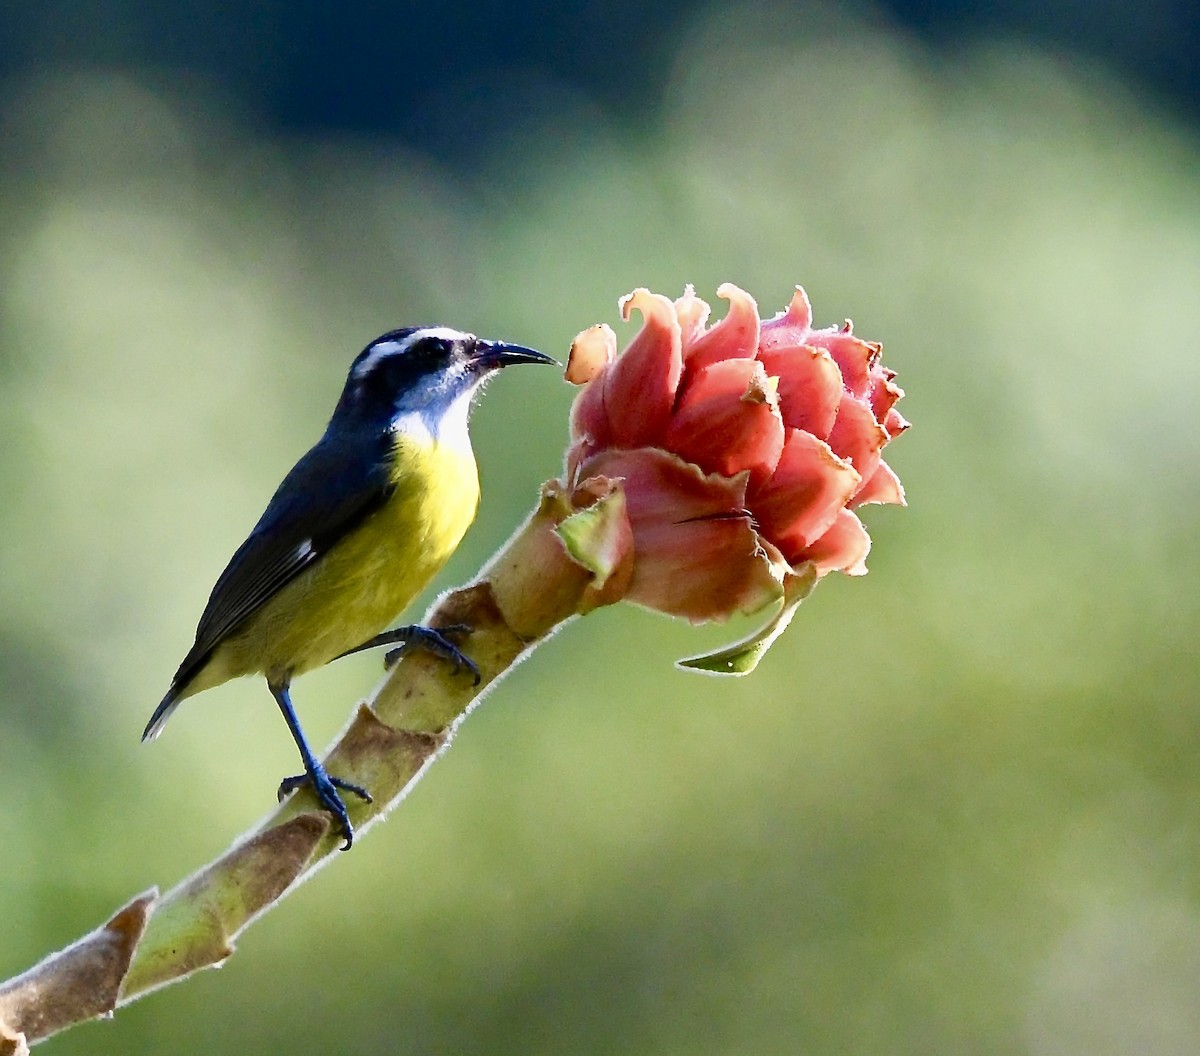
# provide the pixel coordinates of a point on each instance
(383, 349)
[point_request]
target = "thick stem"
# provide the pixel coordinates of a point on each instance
(529, 588)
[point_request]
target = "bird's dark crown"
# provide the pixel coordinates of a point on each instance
(415, 368)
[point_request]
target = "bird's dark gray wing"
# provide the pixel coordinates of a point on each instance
(326, 494)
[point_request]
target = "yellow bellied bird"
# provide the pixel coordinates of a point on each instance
(356, 530)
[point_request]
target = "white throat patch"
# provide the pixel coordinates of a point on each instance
(449, 430)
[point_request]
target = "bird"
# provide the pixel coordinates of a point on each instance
(357, 529)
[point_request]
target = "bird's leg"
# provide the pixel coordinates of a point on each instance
(315, 774)
(434, 640)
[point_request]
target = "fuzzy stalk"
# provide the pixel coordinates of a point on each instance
(528, 589)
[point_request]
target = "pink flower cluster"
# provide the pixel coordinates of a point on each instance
(743, 448)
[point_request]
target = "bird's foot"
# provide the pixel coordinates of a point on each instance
(326, 789)
(434, 640)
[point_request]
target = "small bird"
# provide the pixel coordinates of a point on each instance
(357, 529)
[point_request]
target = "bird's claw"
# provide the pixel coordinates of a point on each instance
(435, 640)
(325, 787)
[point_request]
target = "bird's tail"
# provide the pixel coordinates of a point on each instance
(163, 712)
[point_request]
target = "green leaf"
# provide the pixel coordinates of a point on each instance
(742, 657)
(598, 537)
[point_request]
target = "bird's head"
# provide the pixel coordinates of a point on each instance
(424, 375)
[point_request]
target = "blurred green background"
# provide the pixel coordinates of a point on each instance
(957, 810)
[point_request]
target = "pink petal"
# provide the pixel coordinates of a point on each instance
(790, 327)
(857, 437)
(883, 486)
(734, 337)
(591, 355)
(810, 386)
(854, 358)
(696, 553)
(639, 387)
(591, 351)
(895, 423)
(806, 491)
(884, 392)
(728, 421)
(589, 419)
(843, 548)
(692, 314)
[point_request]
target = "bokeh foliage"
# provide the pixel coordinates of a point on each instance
(955, 810)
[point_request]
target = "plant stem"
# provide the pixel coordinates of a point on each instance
(526, 591)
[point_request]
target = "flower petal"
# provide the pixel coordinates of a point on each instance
(734, 337)
(843, 548)
(857, 437)
(884, 392)
(855, 359)
(810, 386)
(895, 423)
(591, 351)
(728, 420)
(806, 491)
(696, 553)
(882, 486)
(591, 355)
(791, 326)
(639, 386)
(692, 314)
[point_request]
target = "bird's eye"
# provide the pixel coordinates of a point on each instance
(431, 350)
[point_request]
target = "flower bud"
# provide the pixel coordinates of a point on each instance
(743, 449)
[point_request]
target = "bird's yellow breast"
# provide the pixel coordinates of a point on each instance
(366, 579)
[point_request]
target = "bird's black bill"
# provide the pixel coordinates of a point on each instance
(493, 354)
